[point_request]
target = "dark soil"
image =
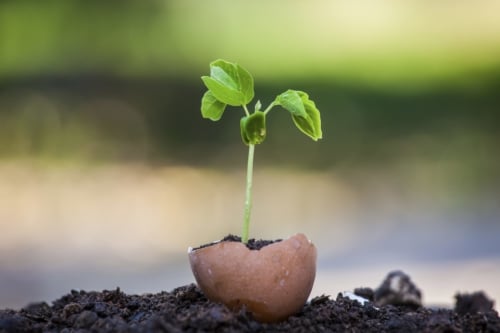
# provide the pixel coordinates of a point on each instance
(186, 309)
(252, 244)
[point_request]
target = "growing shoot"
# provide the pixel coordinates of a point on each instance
(230, 84)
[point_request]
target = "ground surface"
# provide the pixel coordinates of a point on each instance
(185, 309)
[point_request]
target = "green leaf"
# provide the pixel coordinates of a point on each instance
(236, 74)
(229, 83)
(310, 125)
(243, 132)
(211, 107)
(226, 75)
(291, 101)
(223, 93)
(304, 112)
(258, 106)
(253, 128)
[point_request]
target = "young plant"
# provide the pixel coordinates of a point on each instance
(230, 84)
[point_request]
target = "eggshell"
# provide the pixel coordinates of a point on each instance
(272, 283)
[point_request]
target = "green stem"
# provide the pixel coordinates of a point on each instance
(270, 107)
(248, 198)
(247, 113)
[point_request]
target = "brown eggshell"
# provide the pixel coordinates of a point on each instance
(272, 283)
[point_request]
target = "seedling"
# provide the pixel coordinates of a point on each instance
(230, 84)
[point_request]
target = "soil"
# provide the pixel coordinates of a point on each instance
(252, 244)
(185, 309)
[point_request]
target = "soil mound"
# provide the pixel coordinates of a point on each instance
(185, 309)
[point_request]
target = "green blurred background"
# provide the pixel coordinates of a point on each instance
(108, 172)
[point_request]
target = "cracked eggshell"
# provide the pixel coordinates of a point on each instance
(272, 283)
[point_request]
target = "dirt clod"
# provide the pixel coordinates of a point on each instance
(473, 303)
(398, 289)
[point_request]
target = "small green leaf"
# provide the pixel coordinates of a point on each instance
(253, 128)
(310, 125)
(304, 112)
(258, 106)
(291, 101)
(211, 107)
(229, 83)
(243, 132)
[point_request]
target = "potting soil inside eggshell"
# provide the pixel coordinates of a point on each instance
(252, 244)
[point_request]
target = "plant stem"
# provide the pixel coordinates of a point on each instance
(270, 107)
(247, 113)
(248, 195)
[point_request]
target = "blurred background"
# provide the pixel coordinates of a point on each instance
(108, 172)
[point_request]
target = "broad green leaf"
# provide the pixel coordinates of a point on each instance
(229, 83)
(236, 74)
(211, 107)
(253, 128)
(310, 125)
(246, 83)
(223, 93)
(226, 76)
(291, 101)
